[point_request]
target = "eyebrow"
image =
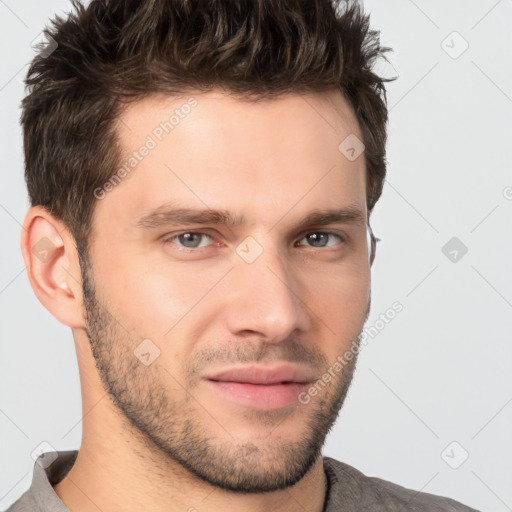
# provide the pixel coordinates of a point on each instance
(319, 217)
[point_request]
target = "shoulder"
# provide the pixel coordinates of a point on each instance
(49, 468)
(23, 504)
(351, 488)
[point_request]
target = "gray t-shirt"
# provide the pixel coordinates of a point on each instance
(349, 490)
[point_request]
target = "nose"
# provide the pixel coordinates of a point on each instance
(264, 298)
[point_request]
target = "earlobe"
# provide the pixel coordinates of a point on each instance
(52, 266)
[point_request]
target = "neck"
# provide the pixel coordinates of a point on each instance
(109, 477)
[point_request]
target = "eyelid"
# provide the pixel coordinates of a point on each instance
(169, 236)
(332, 231)
(341, 236)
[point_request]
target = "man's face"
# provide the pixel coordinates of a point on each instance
(235, 321)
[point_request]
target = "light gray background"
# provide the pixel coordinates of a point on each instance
(440, 371)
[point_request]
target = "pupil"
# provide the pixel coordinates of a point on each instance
(187, 238)
(315, 237)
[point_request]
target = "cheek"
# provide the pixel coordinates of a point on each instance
(158, 300)
(340, 299)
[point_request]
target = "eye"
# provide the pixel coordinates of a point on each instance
(196, 240)
(321, 238)
(189, 239)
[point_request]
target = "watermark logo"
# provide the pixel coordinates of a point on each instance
(44, 44)
(44, 454)
(249, 249)
(455, 455)
(146, 352)
(454, 45)
(454, 249)
(43, 249)
(352, 147)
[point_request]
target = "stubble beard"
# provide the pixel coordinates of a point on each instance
(169, 426)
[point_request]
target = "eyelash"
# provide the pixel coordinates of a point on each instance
(167, 239)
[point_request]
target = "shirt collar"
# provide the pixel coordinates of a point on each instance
(49, 469)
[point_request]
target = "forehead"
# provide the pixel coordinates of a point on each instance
(255, 158)
(218, 114)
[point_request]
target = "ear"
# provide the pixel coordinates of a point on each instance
(52, 264)
(373, 249)
(371, 241)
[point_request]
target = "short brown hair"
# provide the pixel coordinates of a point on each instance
(116, 51)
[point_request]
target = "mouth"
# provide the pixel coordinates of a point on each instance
(261, 387)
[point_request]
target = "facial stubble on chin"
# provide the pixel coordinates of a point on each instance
(170, 428)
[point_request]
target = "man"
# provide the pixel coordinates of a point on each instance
(201, 177)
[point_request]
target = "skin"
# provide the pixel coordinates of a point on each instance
(156, 437)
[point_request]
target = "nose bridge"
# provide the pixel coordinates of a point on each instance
(265, 298)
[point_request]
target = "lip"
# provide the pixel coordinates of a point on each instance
(259, 374)
(260, 387)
